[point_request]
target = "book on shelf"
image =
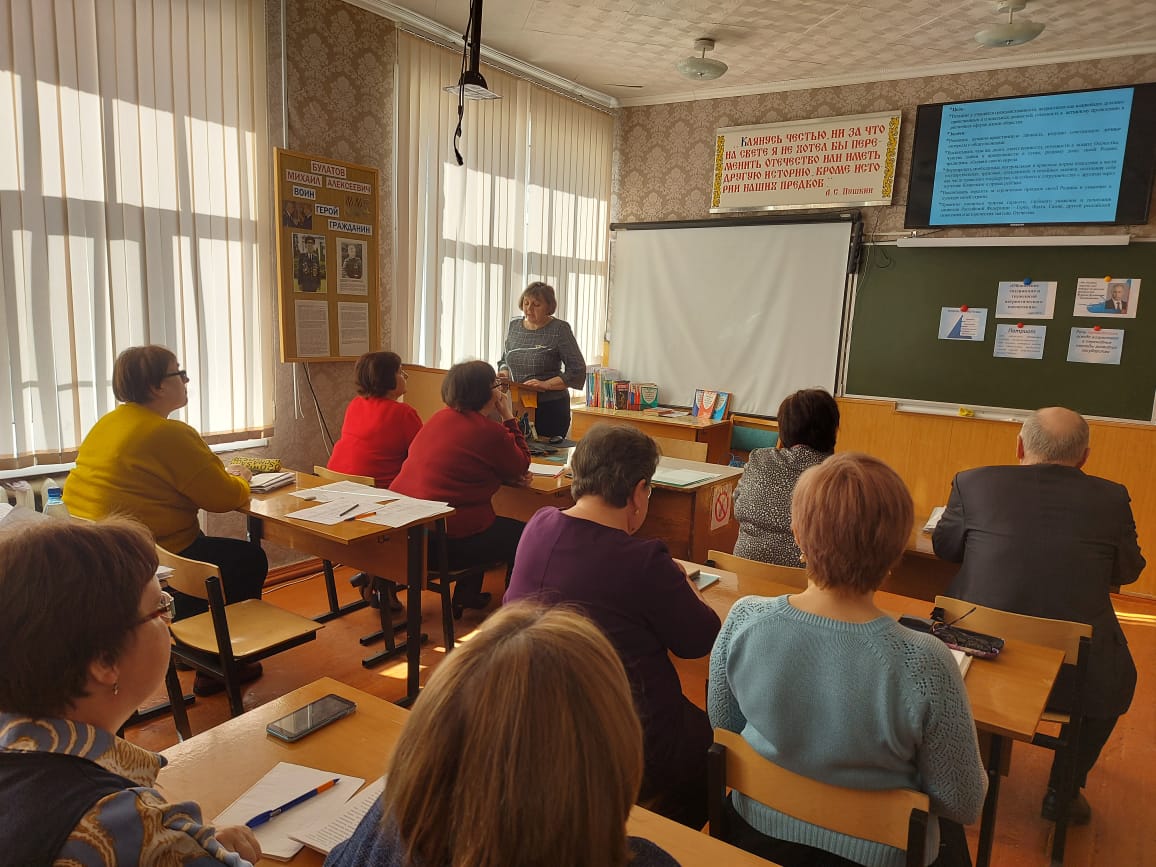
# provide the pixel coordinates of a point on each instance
(711, 404)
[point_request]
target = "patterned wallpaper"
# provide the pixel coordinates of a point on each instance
(664, 153)
(339, 79)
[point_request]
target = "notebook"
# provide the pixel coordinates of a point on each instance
(338, 827)
(263, 483)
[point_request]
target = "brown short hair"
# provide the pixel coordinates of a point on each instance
(72, 594)
(809, 417)
(376, 373)
(610, 460)
(138, 370)
(852, 516)
(540, 291)
(523, 749)
(469, 386)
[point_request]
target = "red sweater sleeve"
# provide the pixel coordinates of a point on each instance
(511, 454)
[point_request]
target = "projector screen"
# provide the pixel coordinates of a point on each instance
(755, 310)
(1085, 157)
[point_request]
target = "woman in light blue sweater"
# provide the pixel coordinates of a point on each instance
(827, 685)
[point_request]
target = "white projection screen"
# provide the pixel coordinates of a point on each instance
(754, 310)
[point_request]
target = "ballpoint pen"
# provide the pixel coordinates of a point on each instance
(347, 511)
(262, 818)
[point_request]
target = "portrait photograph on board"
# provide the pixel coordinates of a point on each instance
(309, 264)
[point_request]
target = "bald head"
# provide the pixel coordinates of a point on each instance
(1054, 435)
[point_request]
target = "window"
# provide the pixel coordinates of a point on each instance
(531, 203)
(133, 180)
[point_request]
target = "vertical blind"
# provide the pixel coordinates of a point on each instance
(531, 203)
(133, 179)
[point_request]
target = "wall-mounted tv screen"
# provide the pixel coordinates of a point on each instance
(1081, 157)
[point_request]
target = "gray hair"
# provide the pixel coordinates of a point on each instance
(1052, 443)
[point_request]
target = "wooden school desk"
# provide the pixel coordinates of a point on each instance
(1007, 694)
(716, 434)
(691, 520)
(360, 745)
(369, 547)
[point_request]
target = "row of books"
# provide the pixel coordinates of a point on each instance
(606, 388)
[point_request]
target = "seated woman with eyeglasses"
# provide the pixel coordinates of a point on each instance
(827, 685)
(136, 461)
(462, 456)
(522, 751)
(588, 556)
(84, 641)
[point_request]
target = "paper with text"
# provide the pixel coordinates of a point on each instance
(343, 509)
(406, 511)
(338, 827)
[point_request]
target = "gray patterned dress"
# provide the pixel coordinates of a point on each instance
(763, 503)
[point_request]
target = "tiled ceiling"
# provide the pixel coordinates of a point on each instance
(628, 48)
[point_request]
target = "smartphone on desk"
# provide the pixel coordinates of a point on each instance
(310, 718)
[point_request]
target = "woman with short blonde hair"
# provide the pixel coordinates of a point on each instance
(524, 749)
(827, 685)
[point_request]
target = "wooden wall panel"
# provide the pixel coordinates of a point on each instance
(928, 450)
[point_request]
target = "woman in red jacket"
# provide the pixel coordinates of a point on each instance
(462, 457)
(378, 428)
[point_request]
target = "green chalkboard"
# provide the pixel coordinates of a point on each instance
(895, 350)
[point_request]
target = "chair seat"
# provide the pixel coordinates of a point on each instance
(254, 627)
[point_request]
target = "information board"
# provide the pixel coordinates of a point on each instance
(327, 257)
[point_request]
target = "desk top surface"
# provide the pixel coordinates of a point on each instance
(359, 745)
(547, 485)
(276, 506)
(638, 415)
(1007, 693)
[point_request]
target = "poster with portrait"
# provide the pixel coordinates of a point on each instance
(309, 263)
(1113, 297)
(351, 273)
(327, 251)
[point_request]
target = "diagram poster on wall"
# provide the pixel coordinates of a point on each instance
(816, 163)
(326, 257)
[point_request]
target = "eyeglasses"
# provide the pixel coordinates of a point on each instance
(166, 609)
(497, 383)
(183, 374)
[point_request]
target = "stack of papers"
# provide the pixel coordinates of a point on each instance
(549, 470)
(285, 782)
(336, 490)
(933, 521)
(324, 836)
(681, 478)
(406, 510)
(336, 511)
(263, 483)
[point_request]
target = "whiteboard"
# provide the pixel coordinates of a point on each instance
(755, 310)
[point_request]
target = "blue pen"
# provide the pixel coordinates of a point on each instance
(262, 818)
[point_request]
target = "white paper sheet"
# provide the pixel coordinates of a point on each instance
(550, 470)
(343, 509)
(285, 782)
(406, 511)
(339, 827)
(346, 487)
(681, 478)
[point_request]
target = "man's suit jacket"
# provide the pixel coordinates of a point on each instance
(1048, 540)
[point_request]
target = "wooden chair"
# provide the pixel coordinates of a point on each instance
(757, 569)
(893, 817)
(226, 637)
(686, 450)
(1075, 641)
(336, 609)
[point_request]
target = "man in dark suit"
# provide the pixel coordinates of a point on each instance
(1047, 540)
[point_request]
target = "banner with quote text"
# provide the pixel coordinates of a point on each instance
(816, 163)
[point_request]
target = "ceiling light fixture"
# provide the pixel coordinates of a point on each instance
(1010, 32)
(702, 68)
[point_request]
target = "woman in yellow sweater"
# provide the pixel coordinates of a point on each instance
(136, 461)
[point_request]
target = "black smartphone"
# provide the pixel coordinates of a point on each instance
(311, 717)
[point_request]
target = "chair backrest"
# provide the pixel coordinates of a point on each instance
(757, 569)
(686, 450)
(188, 575)
(1062, 635)
(334, 476)
(893, 817)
